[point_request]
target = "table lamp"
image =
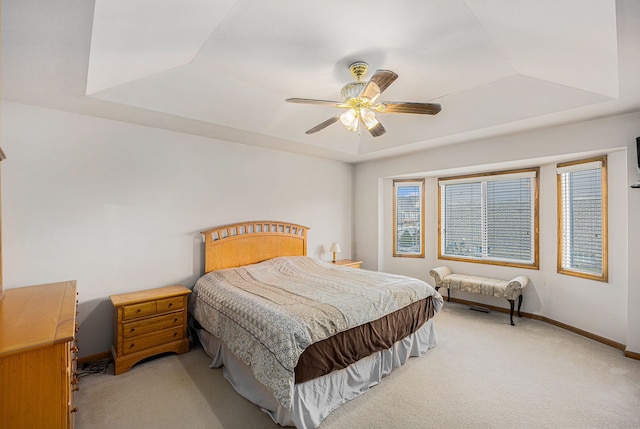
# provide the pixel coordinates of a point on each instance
(335, 248)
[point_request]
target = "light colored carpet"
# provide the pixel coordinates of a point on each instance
(483, 373)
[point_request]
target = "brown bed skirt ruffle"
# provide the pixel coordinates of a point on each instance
(343, 349)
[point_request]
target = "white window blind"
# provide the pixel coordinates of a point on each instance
(408, 214)
(489, 218)
(581, 244)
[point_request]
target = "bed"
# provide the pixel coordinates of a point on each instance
(298, 336)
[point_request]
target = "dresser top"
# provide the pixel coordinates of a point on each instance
(36, 316)
(148, 294)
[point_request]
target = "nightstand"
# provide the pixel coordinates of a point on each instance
(147, 323)
(348, 263)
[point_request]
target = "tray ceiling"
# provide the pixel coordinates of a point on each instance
(223, 69)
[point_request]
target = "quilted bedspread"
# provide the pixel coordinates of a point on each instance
(268, 313)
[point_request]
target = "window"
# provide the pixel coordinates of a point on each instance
(490, 218)
(408, 218)
(582, 218)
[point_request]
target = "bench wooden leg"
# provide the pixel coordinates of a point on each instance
(512, 304)
(448, 293)
(519, 305)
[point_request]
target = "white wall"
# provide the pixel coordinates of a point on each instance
(605, 309)
(119, 207)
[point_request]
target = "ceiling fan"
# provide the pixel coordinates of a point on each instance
(360, 99)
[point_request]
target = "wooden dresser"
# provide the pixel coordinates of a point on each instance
(38, 356)
(147, 323)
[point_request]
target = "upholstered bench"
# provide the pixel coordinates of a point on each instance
(508, 289)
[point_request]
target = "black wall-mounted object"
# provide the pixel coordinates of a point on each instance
(637, 184)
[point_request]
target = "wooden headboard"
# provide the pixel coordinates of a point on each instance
(246, 243)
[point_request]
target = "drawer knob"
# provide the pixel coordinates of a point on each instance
(132, 329)
(170, 304)
(132, 346)
(175, 334)
(175, 320)
(138, 310)
(74, 410)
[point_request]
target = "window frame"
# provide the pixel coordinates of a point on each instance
(421, 183)
(535, 227)
(604, 276)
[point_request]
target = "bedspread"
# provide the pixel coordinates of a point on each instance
(268, 313)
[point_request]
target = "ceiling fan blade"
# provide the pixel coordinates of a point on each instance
(383, 78)
(323, 125)
(377, 130)
(407, 107)
(380, 81)
(313, 101)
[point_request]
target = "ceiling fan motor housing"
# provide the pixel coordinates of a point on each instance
(353, 89)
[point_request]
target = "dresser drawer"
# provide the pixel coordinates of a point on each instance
(152, 324)
(136, 344)
(169, 304)
(138, 310)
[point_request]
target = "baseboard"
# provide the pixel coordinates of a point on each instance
(632, 355)
(578, 331)
(93, 358)
(569, 328)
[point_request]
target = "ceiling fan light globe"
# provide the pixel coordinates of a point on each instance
(369, 118)
(348, 117)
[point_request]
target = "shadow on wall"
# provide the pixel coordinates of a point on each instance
(95, 334)
(95, 317)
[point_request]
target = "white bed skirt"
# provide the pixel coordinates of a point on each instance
(313, 400)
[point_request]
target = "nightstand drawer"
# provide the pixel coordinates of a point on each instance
(147, 341)
(139, 310)
(152, 324)
(169, 304)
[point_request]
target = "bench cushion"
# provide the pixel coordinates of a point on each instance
(475, 284)
(508, 289)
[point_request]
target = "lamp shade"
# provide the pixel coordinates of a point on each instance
(335, 247)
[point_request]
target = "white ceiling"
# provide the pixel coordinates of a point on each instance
(223, 68)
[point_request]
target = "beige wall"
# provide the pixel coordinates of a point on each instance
(605, 309)
(119, 207)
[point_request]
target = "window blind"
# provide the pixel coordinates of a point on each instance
(408, 217)
(489, 218)
(582, 227)
(463, 219)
